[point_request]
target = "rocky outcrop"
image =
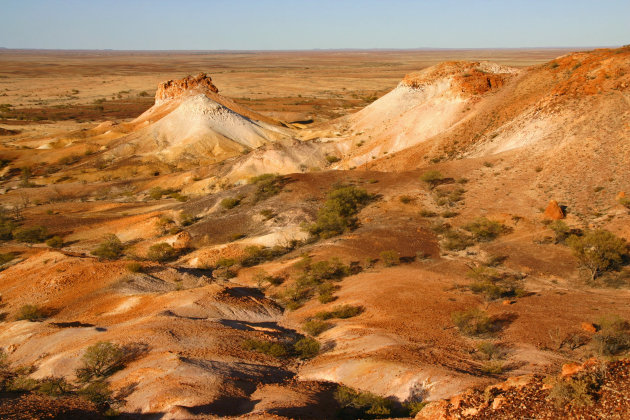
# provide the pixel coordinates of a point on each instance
(554, 211)
(175, 88)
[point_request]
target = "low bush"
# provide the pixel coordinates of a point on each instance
(295, 296)
(54, 242)
(624, 201)
(427, 213)
(456, 241)
(598, 251)
(561, 230)
(341, 312)
(338, 214)
(5, 258)
(490, 351)
(390, 258)
(613, 337)
(32, 234)
(134, 267)
(578, 390)
(315, 327)
(255, 255)
(111, 248)
(230, 203)
(99, 393)
(306, 348)
(54, 386)
(7, 227)
(432, 178)
(361, 405)
(493, 284)
(161, 252)
(186, 219)
(271, 348)
(484, 230)
(406, 199)
(31, 313)
(473, 322)
(100, 360)
(332, 159)
(267, 185)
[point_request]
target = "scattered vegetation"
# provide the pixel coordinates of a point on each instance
(484, 230)
(134, 267)
(338, 214)
(161, 252)
(332, 159)
(473, 322)
(55, 242)
(111, 248)
(406, 199)
(267, 185)
(302, 348)
(493, 284)
(32, 234)
(433, 178)
(577, 390)
(362, 405)
(5, 258)
(315, 327)
(598, 251)
(613, 337)
(31, 313)
(390, 258)
(341, 312)
(230, 202)
(100, 360)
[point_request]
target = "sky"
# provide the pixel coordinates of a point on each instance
(311, 24)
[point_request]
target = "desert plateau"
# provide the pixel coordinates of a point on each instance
(315, 234)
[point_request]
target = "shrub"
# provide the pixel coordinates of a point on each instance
(111, 248)
(625, 201)
(32, 235)
(432, 178)
(225, 262)
(230, 203)
(306, 348)
(5, 258)
(578, 390)
(97, 392)
(54, 386)
(270, 348)
(494, 284)
(483, 229)
(31, 313)
(267, 214)
(561, 230)
(267, 185)
(613, 336)
(390, 258)
(472, 322)
(6, 229)
(456, 241)
(427, 213)
(315, 327)
(186, 219)
(69, 160)
(255, 255)
(55, 242)
(326, 292)
(490, 351)
(341, 312)
(332, 159)
(156, 193)
(161, 252)
(493, 367)
(295, 296)
(357, 404)
(100, 360)
(448, 214)
(338, 214)
(598, 251)
(134, 267)
(406, 199)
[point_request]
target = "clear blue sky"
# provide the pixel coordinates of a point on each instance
(308, 24)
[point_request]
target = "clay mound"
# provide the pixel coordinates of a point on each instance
(423, 105)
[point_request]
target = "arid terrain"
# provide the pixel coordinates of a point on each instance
(329, 234)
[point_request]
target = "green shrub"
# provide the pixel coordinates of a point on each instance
(101, 360)
(494, 284)
(225, 262)
(361, 405)
(134, 267)
(340, 312)
(427, 213)
(406, 199)
(306, 348)
(156, 193)
(6, 229)
(332, 159)
(267, 214)
(31, 313)
(55, 242)
(295, 296)
(625, 201)
(267, 185)
(578, 390)
(255, 255)
(186, 219)
(275, 349)
(493, 367)
(490, 351)
(54, 386)
(111, 248)
(456, 241)
(613, 337)
(5, 258)
(472, 322)
(598, 251)
(161, 252)
(338, 214)
(315, 327)
(230, 203)
(32, 235)
(484, 230)
(561, 230)
(98, 393)
(390, 258)
(326, 292)
(432, 178)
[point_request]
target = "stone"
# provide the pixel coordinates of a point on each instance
(620, 195)
(589, 327)
(554, 211)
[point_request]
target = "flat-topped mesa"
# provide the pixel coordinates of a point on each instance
(176, 88)
(474, 78)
